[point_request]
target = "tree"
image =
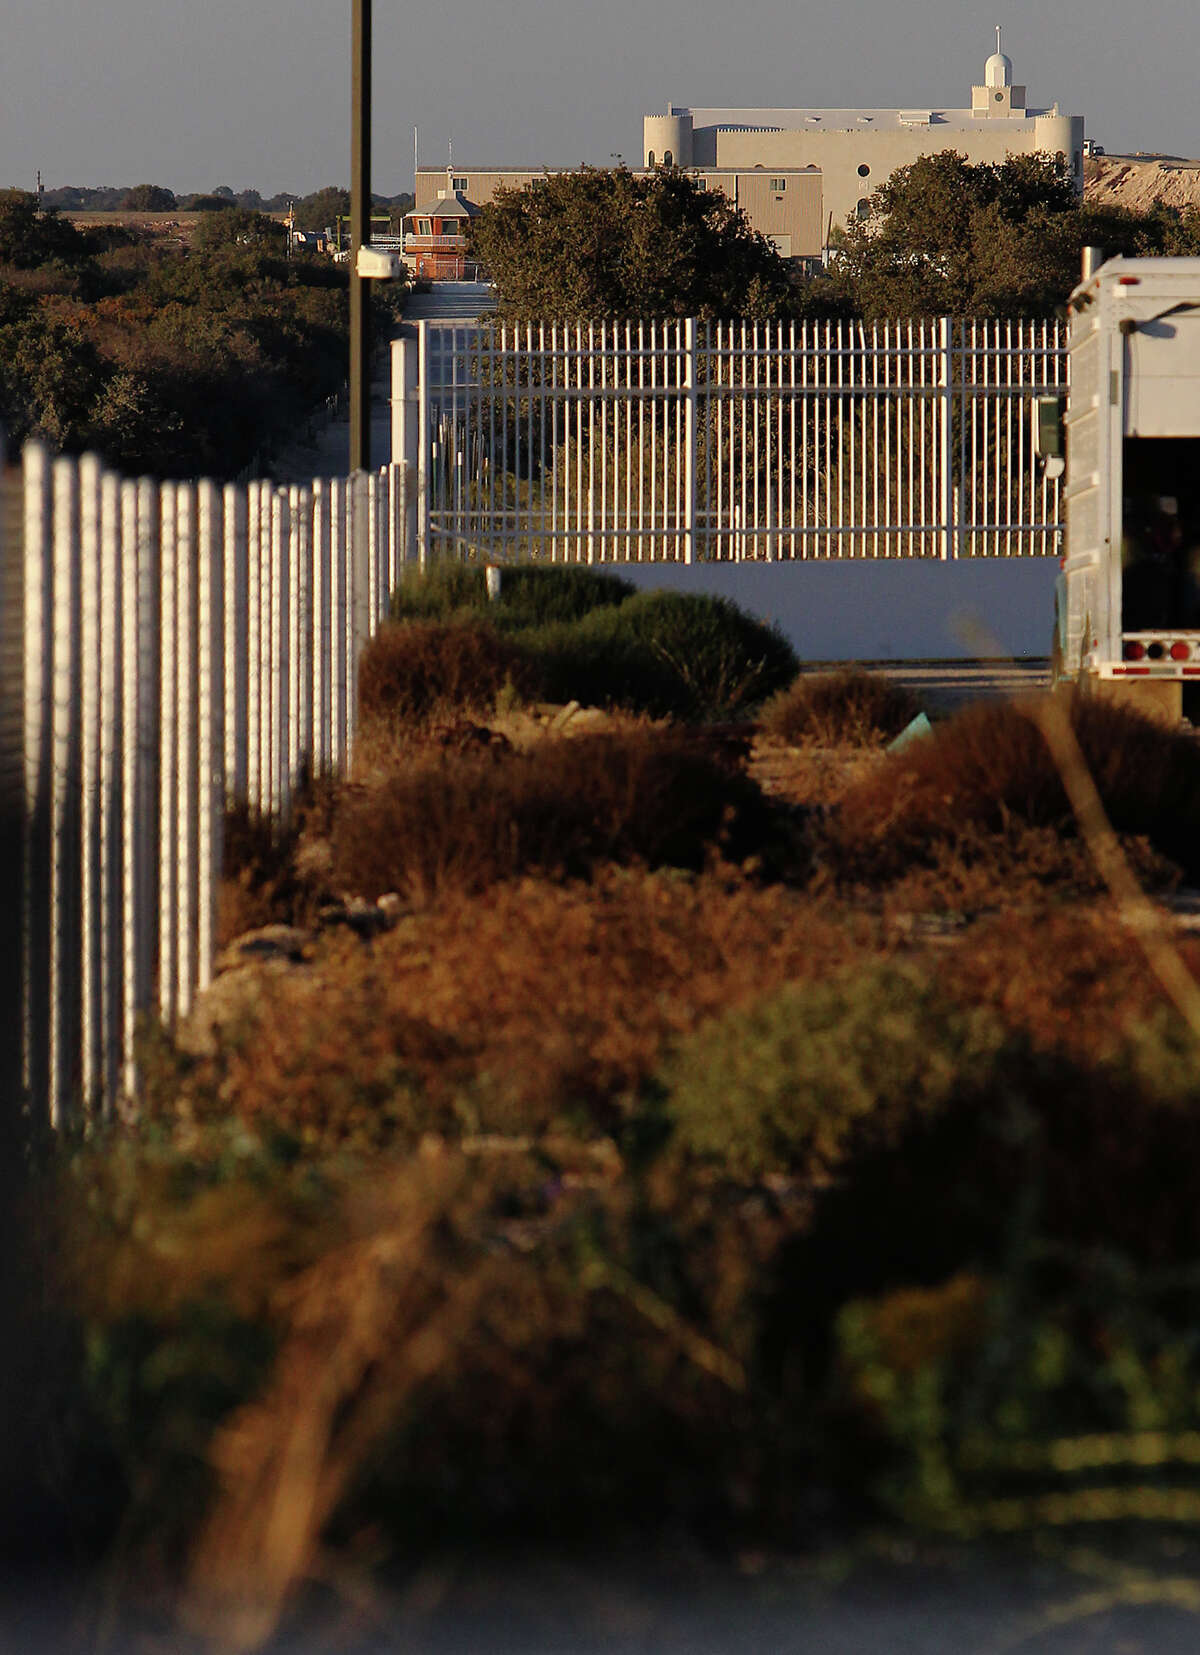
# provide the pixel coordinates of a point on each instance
(30, 237)
(149, 198)
(604, 243)
(239, 227)
(945, 237)
(208, 204)
(320, 210)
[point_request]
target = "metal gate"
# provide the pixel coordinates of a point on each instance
(690, 441)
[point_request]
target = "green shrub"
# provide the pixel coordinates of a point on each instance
(1061, 1393)
(537, 595)
(850, 707)
(665, 653)
(788, 1083)
(588, 636)
(530, 594)
(439, 591)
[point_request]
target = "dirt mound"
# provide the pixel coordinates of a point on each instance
(1137, 182)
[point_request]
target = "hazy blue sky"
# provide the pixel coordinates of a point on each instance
(256, 92)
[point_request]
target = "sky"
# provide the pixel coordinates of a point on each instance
(256, 93)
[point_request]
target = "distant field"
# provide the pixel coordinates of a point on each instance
(176, 224)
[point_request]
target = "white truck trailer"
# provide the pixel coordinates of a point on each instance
(1128, 596)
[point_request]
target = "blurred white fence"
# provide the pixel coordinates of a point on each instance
(167, 649)
(728, 441)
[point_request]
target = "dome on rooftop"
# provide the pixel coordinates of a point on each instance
(998, 70)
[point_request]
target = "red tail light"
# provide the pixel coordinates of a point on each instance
(1134, 651)
(1181, 652)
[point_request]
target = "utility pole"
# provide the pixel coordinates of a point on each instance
(360, 235)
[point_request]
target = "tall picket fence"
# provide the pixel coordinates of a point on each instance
(692, 441)
(166, 650)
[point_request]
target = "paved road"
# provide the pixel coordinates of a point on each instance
(450, 302)
(944, 686)
(328, 453)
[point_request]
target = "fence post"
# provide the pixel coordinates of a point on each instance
(149, 720)
(689, 441)
(947, 538)
(406, 438)
(211, 732)
(38, 638)
(65, 791)
(358, 595)
(237, 604)
(14, 894)
(422, 502)
(91, 931)
(323, 703)
(112, 783)
(132, 691)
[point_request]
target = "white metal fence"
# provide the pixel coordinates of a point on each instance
(169, 649)
(689, 441)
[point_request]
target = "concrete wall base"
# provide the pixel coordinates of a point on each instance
(883, 610)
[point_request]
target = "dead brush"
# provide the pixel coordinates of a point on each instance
(1063, 978)
(989, 773)
(833, 709)
(508, 1011)
(269, 872)
(427, 669)
(463, 820)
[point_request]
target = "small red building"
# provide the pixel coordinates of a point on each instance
(437, 240)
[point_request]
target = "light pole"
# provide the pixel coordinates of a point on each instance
(360, 234)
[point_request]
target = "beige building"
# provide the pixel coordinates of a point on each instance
(784, 204)
(856, 150)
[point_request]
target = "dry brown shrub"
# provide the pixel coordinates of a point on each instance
(1019, 867)
(846, 708)
(1065, 977)
(511, 1010)
(463, 820)
(988, 773)
(269, 872)
(419, 670)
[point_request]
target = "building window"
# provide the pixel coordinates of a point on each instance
(668, 158)
(700, 183)
(864, 170)
(424, 227)
(459, 184)
(779, 185)
(999, 97)
(863, 208)
(650, 158)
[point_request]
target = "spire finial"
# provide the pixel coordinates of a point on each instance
(997, 37)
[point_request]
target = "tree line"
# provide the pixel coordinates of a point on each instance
(942, 237)
(166, 361)
(314, 211)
